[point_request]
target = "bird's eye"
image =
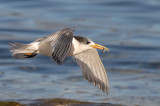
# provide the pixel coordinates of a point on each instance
(87, 42)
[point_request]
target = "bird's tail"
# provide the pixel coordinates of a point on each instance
(22, 51)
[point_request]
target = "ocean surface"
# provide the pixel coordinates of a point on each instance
(129, 28)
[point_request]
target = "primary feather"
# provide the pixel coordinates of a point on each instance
(92, 68)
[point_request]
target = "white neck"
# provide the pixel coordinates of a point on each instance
(77, 47)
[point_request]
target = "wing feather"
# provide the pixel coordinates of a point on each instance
(93, 69)
(57, 45)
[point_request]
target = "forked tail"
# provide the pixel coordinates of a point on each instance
(22, 51)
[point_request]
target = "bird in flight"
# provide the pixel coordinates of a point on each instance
(63, 44)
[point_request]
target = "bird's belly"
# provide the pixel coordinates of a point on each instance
(45, 49)
(45, 52)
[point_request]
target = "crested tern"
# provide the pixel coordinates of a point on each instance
(63, 44)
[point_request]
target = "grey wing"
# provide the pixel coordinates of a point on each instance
(58, 44)
(93, 69)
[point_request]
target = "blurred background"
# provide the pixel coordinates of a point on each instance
(129, 28)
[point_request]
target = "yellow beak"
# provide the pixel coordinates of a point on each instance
(97, 46)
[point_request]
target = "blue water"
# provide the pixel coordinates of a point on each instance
(130, 29)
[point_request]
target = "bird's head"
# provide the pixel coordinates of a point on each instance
(89, 44)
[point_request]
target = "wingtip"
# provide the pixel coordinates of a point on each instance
(107, 93)
(94, 84)
(68, 29)
(107, 90)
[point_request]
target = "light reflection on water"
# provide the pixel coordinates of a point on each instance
(129, 28)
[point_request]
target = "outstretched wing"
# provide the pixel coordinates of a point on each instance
(93, 69)
(60, 44)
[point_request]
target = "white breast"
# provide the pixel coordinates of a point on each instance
(77, 47)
